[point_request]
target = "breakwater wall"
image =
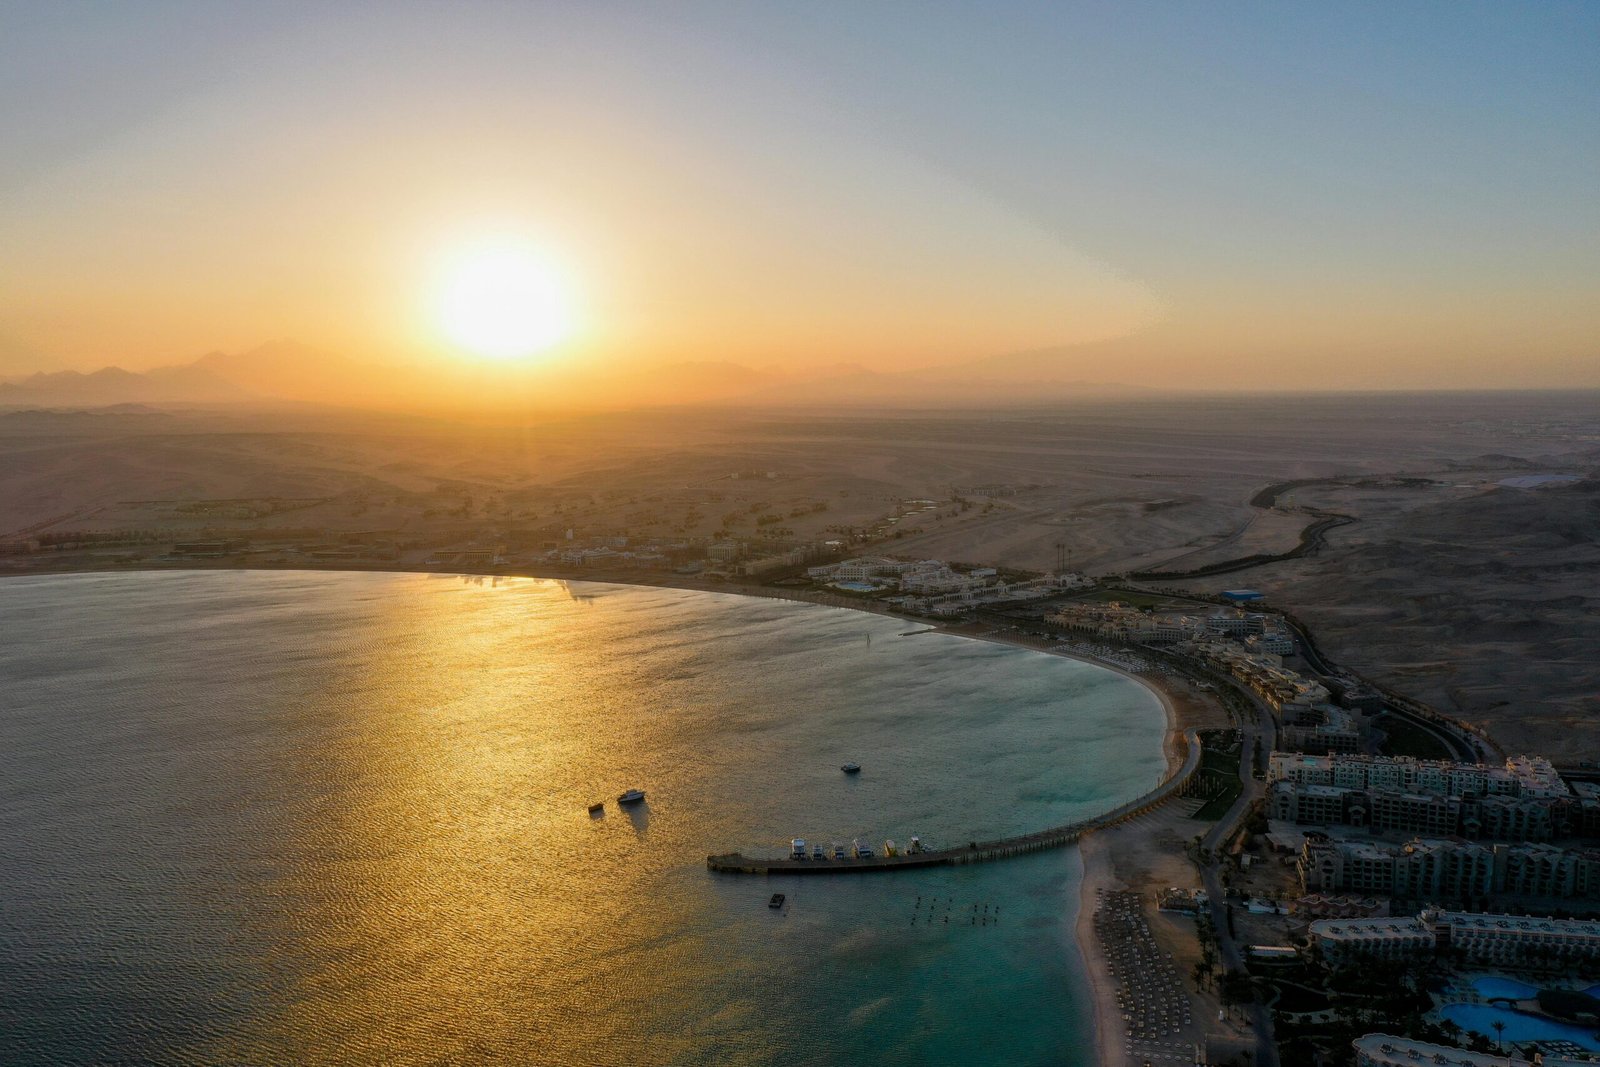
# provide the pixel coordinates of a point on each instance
(975, 851)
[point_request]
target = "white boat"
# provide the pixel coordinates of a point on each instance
(632, 796)
(797, 849)
(863, 852)
(851, 768)
(818, 852)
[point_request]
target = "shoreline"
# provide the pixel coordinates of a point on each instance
(1096, 874)
(1170, 747)
(1103, 1013)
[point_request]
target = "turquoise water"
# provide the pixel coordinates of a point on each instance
(1482, 1017)
(1495, 986)
(341, 818)
(1518, 1027)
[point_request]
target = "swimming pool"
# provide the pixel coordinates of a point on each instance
(1491, 987)
(1482, 1017)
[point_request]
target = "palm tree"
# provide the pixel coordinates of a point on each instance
(1499, 1033)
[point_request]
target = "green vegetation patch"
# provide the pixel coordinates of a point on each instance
(1218, 776)
(1133, 599)
(1216, 807)
(1295, 997)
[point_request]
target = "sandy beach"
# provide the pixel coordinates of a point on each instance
(1097, 878)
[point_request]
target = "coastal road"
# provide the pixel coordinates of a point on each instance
(1462, 748)
(1232, 958)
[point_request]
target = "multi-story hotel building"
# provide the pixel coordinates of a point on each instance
(1387, 1050)
(1448, 869)
(1507, 940)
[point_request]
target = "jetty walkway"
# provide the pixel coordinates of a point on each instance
(976, 851)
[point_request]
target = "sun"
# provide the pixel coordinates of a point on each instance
(501, 298)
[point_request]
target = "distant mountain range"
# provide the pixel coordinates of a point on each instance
(286, 372)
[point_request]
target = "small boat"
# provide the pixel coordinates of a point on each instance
(776, 901)
(797, 849)
(838, 851)
(889, 849)
(632, 796)
(818, 852)
(596, 809)
(916, 845)
(851, 768)
(863, 852)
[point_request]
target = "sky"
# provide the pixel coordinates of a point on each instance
(1230, 195)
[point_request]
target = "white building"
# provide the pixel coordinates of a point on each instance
(1387, 1050)
(1273, 642)
(860, 569)
(1521, 775)
(1504, 940)
(1342, 941)
(1513, 939)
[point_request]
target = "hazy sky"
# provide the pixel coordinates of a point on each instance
(1262, 195)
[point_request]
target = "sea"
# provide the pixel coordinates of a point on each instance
(343, 818)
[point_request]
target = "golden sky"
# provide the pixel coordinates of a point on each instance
(1225, 197)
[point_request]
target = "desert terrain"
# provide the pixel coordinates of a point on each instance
(1462, 564)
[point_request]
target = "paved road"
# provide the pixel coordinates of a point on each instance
(1265, 727)
(1461, 748)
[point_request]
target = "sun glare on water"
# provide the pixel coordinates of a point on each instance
(502, 299)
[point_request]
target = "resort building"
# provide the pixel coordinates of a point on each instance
(1492, 818)
(1341, 941)
(1235, 623)
(1320, 728)
(1535, 870)
(1513, 939)
(1522, 776)
(1388, 1050)
(1273, 642)
(860, 569)
(1480, 938)
(1447, 869)
(932, 578)
(1318, 906)
(724, 551)
(1264, 674)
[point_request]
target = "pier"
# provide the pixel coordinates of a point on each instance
(975, 851)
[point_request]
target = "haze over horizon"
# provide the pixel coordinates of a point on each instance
(715, 201)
